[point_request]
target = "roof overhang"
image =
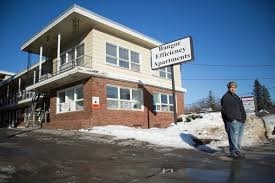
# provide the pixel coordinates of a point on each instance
(60, 80)
(65, 24)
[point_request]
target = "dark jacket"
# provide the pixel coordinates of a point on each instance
(232, 108)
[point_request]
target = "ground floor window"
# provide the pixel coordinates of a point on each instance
(163, 102)
(70, 99)
(124, 98)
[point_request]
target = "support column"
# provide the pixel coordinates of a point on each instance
(40, 61)
(19, 85)
(8, 91)
(58, 51)
(34, 77)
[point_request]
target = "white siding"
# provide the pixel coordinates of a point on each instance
(146, 75)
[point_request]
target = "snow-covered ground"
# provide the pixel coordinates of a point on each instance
(208, 129)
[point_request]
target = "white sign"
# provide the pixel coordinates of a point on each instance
(172, 53)
(95, 103)
(95, 100)
(248, 103)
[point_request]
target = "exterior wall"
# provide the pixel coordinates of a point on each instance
(95, 46)
(85, 38)
(96, 86)
(146, 74)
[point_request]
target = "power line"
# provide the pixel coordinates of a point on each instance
(221, 79)
(232, 65)
(251, 92)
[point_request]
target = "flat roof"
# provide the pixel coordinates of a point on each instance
(96, 19)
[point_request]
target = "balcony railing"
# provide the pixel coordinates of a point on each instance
(63, 66)
(17, 97)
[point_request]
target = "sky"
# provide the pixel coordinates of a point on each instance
(232, 39)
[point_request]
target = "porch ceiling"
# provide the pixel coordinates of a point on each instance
(68, 31)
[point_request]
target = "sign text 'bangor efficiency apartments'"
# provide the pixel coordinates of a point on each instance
(172, 53)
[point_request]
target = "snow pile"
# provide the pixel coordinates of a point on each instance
(165, 137)
(206, 133)
(270, 125)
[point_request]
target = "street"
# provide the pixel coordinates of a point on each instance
(60, 156)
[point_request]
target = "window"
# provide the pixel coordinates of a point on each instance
(135, 61)
(124, 98)
(71, 55)
(122, 57)
(70, 99)
(163, 102)
(111, 54)
(112, 97)
(80, 55)
(165, 72)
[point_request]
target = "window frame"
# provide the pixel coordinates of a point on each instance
(121, 101)
(67, 100)
(64, 56)
(168, 74)
(158, 106)
(118, 60)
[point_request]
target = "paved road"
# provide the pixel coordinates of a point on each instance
(67, 156)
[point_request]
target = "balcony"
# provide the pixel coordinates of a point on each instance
(64, 72)
(21, 98)
(63, 66)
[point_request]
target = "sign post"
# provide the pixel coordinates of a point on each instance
(174, 94)
(170, 54)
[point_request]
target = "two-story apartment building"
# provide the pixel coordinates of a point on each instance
(91, 71)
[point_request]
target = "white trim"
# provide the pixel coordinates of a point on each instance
(59, 76)
(106, 75)
(97, 18)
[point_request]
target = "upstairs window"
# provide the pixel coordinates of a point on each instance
(111, 54)
(165, 72)
(122, 57)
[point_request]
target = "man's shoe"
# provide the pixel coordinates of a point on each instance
(238, 153)
(234, 156)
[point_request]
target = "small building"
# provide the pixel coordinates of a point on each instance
(91, 71)
(5, 75)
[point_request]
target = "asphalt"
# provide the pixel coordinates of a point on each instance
(57, 156)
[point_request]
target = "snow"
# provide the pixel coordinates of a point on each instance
(270, 125)
(210, 128)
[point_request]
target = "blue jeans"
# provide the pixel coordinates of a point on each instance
(234, 131)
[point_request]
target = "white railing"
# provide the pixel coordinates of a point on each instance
(59, 67)
(17, 97)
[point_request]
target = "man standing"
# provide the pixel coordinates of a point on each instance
(234, 116)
